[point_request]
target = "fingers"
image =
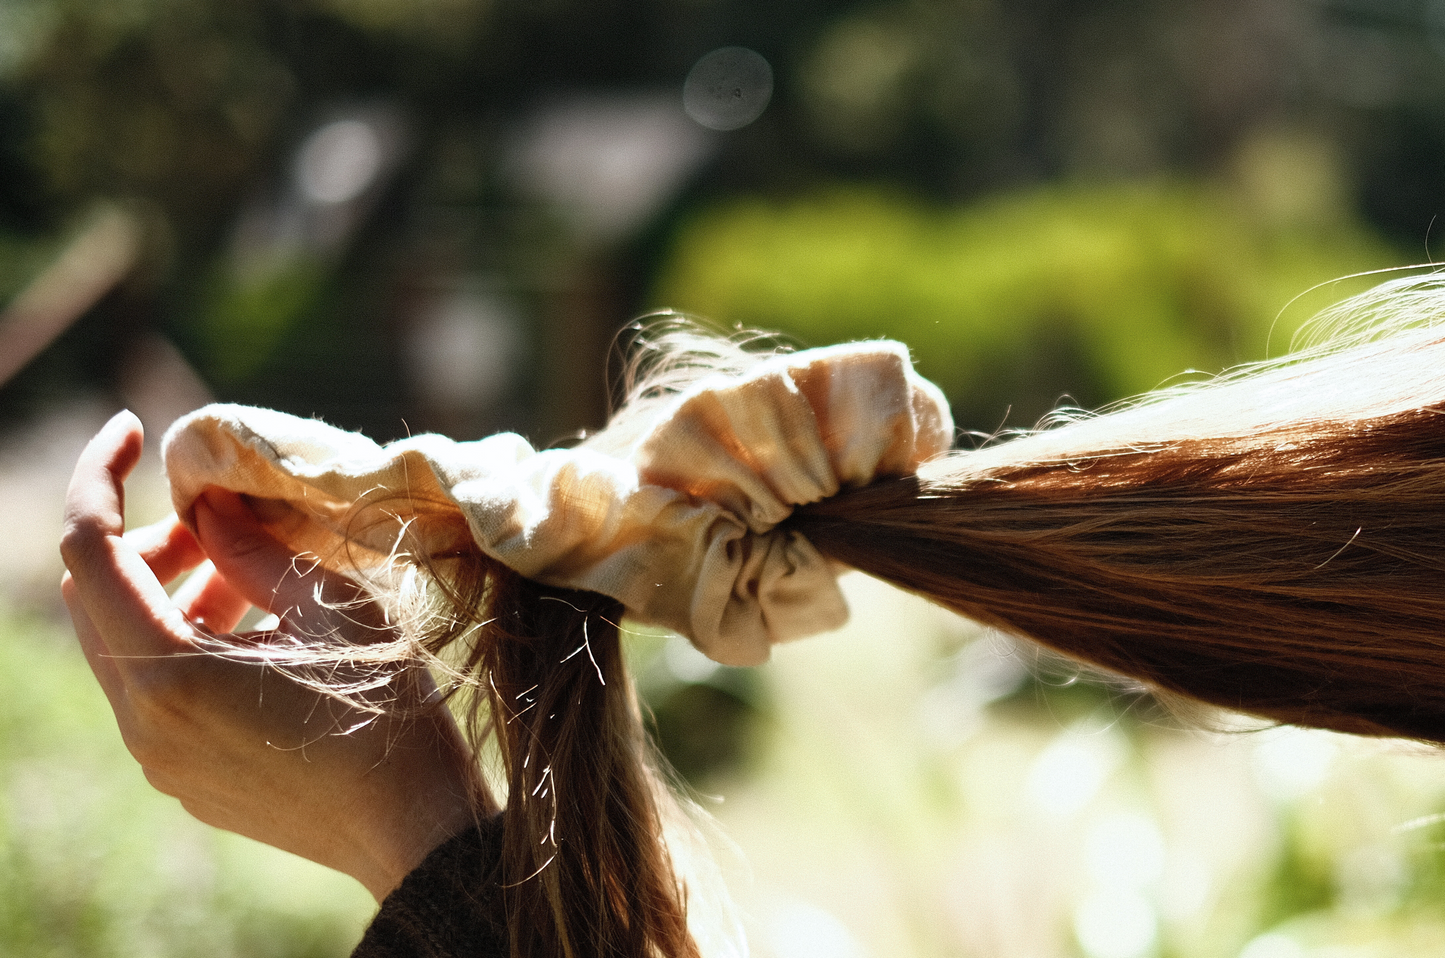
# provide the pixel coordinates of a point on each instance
(209, 600)
(111, 581)
(206, 598)
(270, 577)
(95, 501)
(243, 551)
(168, 547)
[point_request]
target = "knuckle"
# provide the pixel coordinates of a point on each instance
(160, 779)
(78, 542)
(143, 747)
(159, 745)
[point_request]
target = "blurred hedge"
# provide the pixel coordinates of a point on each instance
(1094, 291)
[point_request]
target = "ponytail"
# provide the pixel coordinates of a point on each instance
(1272, 543)
(585, 867)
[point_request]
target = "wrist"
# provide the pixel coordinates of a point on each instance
(426, 821)
(384, 873)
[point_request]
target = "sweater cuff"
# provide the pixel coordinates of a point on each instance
(450, 906)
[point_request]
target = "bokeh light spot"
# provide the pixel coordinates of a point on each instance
(1272, 945)
(1071, 770)
(728, 89)
(1125, 849)
(339, 162)
(1115, 924)
(801, 930)
(1289, 763)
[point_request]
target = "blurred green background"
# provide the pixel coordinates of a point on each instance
(444, 215)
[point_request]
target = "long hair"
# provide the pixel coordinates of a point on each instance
(1272, 542)
(591, 823)
(586, 867)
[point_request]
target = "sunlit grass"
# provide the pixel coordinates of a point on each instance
(899, 811)
(94, 863)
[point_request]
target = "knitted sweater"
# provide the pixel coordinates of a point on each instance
(449, 907)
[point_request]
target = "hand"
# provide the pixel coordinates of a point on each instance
(244, 747)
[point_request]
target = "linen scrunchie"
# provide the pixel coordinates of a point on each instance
(677, 520)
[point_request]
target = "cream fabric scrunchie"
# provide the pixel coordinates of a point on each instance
(676, 519)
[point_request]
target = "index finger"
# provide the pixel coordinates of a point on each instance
(118, 591)
(95, 499)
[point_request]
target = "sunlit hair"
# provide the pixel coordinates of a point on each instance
(663, 354)
(1271, 541)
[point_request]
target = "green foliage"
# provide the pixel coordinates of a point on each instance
(96, 864)
(246, 319)
(1301, 881)
(1098, 292)
(21, 259)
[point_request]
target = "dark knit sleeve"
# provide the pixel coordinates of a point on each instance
(449, 907)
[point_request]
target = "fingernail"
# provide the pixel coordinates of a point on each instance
(124, 419)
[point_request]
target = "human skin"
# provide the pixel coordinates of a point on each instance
(243, 746)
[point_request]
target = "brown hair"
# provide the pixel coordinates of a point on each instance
(1294, 575)
(586, 868)
(538, 673)
(596, 838)
(1271, 542)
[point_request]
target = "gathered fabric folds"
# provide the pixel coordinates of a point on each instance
(675, 515)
